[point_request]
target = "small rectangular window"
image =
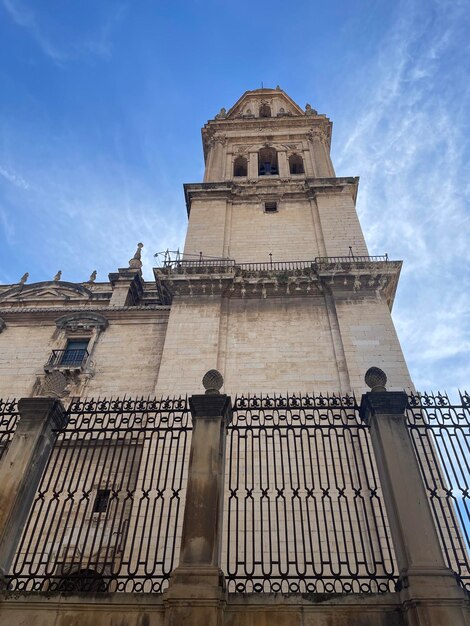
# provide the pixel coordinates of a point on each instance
(270, 207)
(101, 501)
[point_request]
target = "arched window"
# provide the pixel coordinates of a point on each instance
(267, 162)
(265, 110)
(240, 166)
(83, 580)
(296, 164)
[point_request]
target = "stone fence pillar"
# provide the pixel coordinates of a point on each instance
(196, 594)
(22, 466)
(430, 593)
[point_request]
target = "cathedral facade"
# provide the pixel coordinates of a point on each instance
(275, 288)
(237, 441)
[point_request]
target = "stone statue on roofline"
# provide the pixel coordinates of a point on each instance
(58, 276)
(135, 263)
(92, 278)
(309, 110)
(24, 278)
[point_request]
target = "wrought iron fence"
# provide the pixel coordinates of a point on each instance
(108, 511)
(440, 431)
(8, 420)
(303, 510)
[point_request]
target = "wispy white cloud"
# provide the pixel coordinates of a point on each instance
(410, 145)
(99, 43)
(13, 178)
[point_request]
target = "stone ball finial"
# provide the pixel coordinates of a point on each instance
(376, 379)
(212, 381)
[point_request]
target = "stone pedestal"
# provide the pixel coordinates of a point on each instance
(196, 594)
(430, 593)
(127, 286)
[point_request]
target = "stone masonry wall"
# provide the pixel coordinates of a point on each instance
(288, 234)
(125, 358)
(24, 349)
(279, 345)
(340, 225)
(191, 345)
(369, 338)
(206, 228)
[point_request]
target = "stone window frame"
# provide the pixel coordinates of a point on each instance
(81, 325)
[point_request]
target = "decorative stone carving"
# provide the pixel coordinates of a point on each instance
(222, 114)
(212, 382)
(2, 325)
(222, 139)
(58, 276)
(24, 278)
(83, 320)
(92, 278)
(376, 379)
(135, 263)
(309, 110)
(47, 290)
(55, 384)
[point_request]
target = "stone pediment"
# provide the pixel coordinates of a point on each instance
(276, 99)
(82, 320)
(46, 292)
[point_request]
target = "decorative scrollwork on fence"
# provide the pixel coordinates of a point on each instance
(108, 511)
(9, 417)
(303, 509)
(440, 432)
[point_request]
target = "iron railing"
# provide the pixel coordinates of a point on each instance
(304, 510)
(353, 259)
(108, 512)
(275, 266)
(440, 431)
(67, 359)
(202, 264)
(9, 417)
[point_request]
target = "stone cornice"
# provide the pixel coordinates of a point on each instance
(254, 190)
(255, 126)
(345, 280)
(40, 314)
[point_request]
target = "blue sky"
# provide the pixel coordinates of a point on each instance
(101, 105)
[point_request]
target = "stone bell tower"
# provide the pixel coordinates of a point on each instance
(276, 288)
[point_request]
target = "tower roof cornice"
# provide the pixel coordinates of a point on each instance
(284, 116)
(255, 94)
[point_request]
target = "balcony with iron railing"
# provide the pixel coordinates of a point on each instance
(67, 359)
(209, 265)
